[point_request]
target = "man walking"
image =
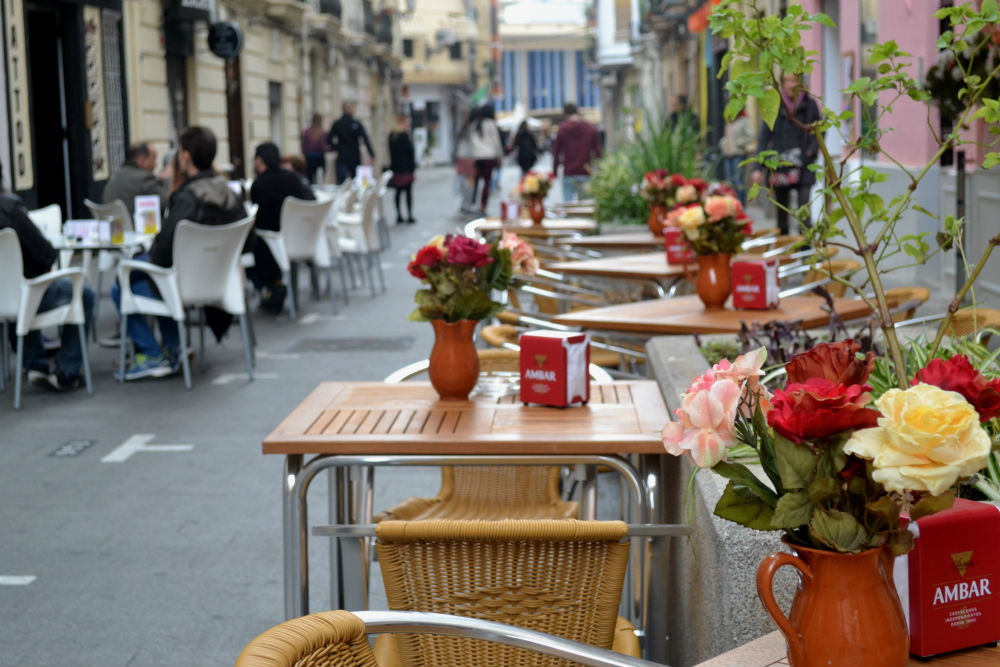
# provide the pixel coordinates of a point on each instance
(575, 146)
(203, 197)
(344, 137)
(269, 190)
(136, 177)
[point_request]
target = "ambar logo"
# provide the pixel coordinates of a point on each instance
(540, 359)
(962, 561)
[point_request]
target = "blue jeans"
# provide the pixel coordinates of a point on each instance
(69, 358)
(137, 326)
(733, 174)
(573, 186)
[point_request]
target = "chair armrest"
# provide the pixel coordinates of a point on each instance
(634, 530)
(73, 273)
(130, 265)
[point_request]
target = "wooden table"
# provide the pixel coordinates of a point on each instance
(549, 226)
(634, 241)
(771, 650)
(687, 315)
(342, 424)
(642, 266)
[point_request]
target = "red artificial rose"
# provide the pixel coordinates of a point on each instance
(463, 250)
(957, 374)
(427, 257)
(677, 180)
(837, 362)
(699, 184)
(820, 408)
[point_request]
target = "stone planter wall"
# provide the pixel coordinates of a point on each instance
(710, 577)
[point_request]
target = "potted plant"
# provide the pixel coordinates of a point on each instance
(532, 189)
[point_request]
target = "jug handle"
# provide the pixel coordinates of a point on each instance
(687, 272)
(765, 573)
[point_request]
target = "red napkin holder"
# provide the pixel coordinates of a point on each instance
(949, 584)
(554, 368)
(755, 284)
(679, 251)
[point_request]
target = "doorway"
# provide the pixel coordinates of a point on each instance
(47, 91)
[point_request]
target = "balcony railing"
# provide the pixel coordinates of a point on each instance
(383, 27)
(331, 7)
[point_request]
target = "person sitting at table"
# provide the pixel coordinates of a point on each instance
(201, 196)
(272, 185)
(37, 254)
(136, 178)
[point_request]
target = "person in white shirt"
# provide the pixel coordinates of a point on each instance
(486, 150)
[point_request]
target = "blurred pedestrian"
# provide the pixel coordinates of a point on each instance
(796, 148)
(403, 162)
(486, 149)
(345, 137)
(298, 165)
(526, 146)
(314, 146)
(737, 141)
(465, 166)
(575, 146)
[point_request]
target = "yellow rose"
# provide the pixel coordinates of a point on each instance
(926, 439)
(530, 184)
(691, 218)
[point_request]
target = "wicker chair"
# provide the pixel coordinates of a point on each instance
(340, 639)
(970, 321)
(781, 241)
(559, 577)
(835, 267)
(505, 335)
(907, 300)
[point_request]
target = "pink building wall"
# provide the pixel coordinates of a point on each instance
(912, 25)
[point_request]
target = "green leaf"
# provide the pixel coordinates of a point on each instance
(886, 509)
(823, 489)
(737, 472)
(753, 192)
(793, 510)
(899, 541)
(748, 512)
(838, 530)
(796, 463)
(769, 105)
(930, 504)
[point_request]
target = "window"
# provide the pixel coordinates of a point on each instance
(407, 48)
(455, 51)
(274, 104)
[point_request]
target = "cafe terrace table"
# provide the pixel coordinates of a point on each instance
(343, 424)
(549, 227)
(130, 240)
(634, 241)
(687, 315)
(642, 266)
(770, 650)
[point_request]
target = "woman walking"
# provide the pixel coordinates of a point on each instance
(526, 146)
(487, 151)
(403, 163)
(314, 146)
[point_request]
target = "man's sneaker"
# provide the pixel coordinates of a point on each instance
(145, 366)
(38, 378)
(173, 357)
(63, 381)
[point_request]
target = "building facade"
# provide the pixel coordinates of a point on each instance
(546, 59)
(84, 78)
(445, 53)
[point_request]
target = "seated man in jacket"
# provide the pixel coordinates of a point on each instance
(38, 255)
(136, 177)
(269, 191)
(203, 197)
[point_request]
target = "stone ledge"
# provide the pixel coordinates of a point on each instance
(713, 574)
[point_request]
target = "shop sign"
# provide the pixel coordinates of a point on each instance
(225, 39)
(22, 168)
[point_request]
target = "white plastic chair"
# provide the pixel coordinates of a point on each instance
(20, 298)
(359, 237)
(382, 189)
(114, 209)
(206, 272)
(301, 238)
(48, 219)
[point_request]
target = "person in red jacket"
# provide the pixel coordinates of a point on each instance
(576, 144)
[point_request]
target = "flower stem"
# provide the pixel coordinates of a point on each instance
(957, 301)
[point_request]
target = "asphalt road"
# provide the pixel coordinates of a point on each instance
(173, 556)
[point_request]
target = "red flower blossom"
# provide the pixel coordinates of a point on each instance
(677, 180)
(427, 257)
(820, 408)
(957, 374)
(463, 250)
(699, 184)
(837, 362)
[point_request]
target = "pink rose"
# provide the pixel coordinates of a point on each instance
(721, 207)
(705, 421)
(686, 194)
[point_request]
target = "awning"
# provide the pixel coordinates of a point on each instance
(698, 21)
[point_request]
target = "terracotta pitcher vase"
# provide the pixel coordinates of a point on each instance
(454, 362)
(536, 209)
(657, 218)
(845, 612)
(713, 282)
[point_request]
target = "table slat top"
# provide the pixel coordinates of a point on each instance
(640, 266)
(687, 315)
(408, 418)
(638, 240)
(528, 228)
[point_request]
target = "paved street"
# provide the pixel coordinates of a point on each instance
(142, 525)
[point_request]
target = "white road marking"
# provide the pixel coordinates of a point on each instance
(16, 579)
(312, 318)
(229, 378)
(281, 356)
(140, 443)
